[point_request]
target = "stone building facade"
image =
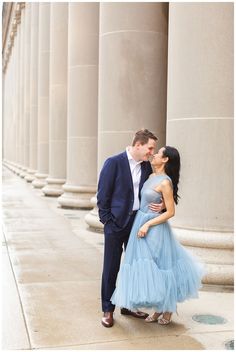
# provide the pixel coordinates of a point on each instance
(80, 78)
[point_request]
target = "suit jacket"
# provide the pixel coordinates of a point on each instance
(115, 196)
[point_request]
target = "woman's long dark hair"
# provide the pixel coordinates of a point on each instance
(172, 168)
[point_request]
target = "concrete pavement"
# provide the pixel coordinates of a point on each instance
(51, 286)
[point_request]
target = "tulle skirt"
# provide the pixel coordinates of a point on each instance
(157, 271)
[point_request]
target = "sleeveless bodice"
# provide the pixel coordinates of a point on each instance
(148, 193)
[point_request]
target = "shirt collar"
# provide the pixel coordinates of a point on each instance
(131, 158)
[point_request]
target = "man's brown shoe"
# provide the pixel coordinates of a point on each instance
(138, 314)
(107, 319)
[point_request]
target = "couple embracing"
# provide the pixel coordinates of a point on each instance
(135, 200)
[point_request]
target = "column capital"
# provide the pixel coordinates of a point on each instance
(11, 21)
(18, 12)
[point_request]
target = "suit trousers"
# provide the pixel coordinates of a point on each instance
(113, 248)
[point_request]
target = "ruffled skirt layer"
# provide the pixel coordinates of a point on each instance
(157, 272)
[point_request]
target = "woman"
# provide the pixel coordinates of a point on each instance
(157, 272)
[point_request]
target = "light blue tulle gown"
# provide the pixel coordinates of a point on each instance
(157, 271)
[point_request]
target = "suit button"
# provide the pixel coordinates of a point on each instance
(130, 213)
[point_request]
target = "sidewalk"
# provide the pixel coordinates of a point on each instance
(51, 286)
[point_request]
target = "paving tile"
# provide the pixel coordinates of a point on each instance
(213, 341)
(182, 342)
(215, 303)
(28, 213)
(38, 240)
(48, 265)
(29, 225)
(14, 333)
(62, 314)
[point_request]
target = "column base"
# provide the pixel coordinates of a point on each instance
(92, 218)
(30, 176)
(17, 169)
(10, 165)
(218, 274)
(214, 249)
(23, 172)
(7, 164)
(53, 187)
(76, 196)
(40, 180)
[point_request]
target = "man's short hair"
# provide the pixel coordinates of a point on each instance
(143, 136)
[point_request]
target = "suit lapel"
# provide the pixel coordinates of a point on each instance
(127, 169)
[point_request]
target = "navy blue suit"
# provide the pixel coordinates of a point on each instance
(115, 200)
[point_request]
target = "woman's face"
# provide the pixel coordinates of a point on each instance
(158, 157)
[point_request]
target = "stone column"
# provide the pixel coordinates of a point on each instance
(10, 108)
(18, 40)
(200, 125)
(58, 99)
(5, 112)
(21, 94)
(16, 24)
(13, 88)
(82, 105)
(26, 123)
(10, 73)
(43, 95)
(33, 135)
(10, 131)
(26, 113)
(7, 115)
(132, 76)
(21, 89)
(3, 116)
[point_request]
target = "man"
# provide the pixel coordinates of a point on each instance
(118, 200)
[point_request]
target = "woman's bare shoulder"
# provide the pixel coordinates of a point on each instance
(166, 183)
(151, 175)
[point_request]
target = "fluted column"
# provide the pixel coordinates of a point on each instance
(132, 76)
(16, 27)
(21, 90)
(18, 47)
(82, 105)
(26, 113)
(57, 99)
(10, 109)
(43, 95)
(9, 94)
(200, 125)
(3, 117)
(13, 99)
(6, 119)
(33, 98)
(7, 114)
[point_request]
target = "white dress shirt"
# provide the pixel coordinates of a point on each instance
(135, 168)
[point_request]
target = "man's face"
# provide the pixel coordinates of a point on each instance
(145, 151)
